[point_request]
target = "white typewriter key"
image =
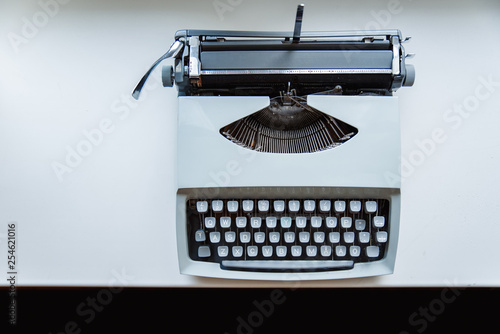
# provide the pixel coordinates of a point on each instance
(334, 237)
(339, 206)
(286, 222)
(311, 250)
(371, 206)
(245, 237)
(331, 222)
(222, 251)
(382, 236)
(202, 206)
(355, 206)
(346, 222)
(300, 222)
(199, 235)
(255, 222)
(316, 221)
(289, 237)
(203, 251)
(309, 205)
(263, 205)
(294, 206)
(326, 250)
(252, 251)
(241, 222)
(354, 251)
(279, 206)
(271, 222)
(319, 237)
(247, 205)
(360, 224)
(214, 237)
(230, 237)
(372, 251)
(325, 205)
(296, 251)
(364, 237)
(217, 206)
(267, 251)
(379, 221)
(340, 250)
(225, 222)
(304, 237)
(281, 251)
(237, 251)
(274, 237)
(209, 222)
(349, 237)
(259, 237)
(232, 206)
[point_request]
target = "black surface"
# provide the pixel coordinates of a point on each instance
(133, 310)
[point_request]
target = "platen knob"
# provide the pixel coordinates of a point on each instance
(410, 75)
(167, 76)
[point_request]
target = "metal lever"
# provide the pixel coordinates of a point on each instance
(298, 23)
(172, 52)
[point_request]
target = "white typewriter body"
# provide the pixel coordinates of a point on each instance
(286, 150)
(209, 165)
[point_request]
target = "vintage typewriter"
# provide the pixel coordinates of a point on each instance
(285, 142)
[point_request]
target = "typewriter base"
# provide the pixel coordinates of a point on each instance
(212, 167)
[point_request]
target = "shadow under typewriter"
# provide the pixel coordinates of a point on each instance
(289, 125)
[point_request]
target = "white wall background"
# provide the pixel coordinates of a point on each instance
(68, 69)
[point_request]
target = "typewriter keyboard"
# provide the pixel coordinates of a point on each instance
(287, 235)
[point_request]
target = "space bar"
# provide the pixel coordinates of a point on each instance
(298, 265)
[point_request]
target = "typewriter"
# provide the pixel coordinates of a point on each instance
(285, 141)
